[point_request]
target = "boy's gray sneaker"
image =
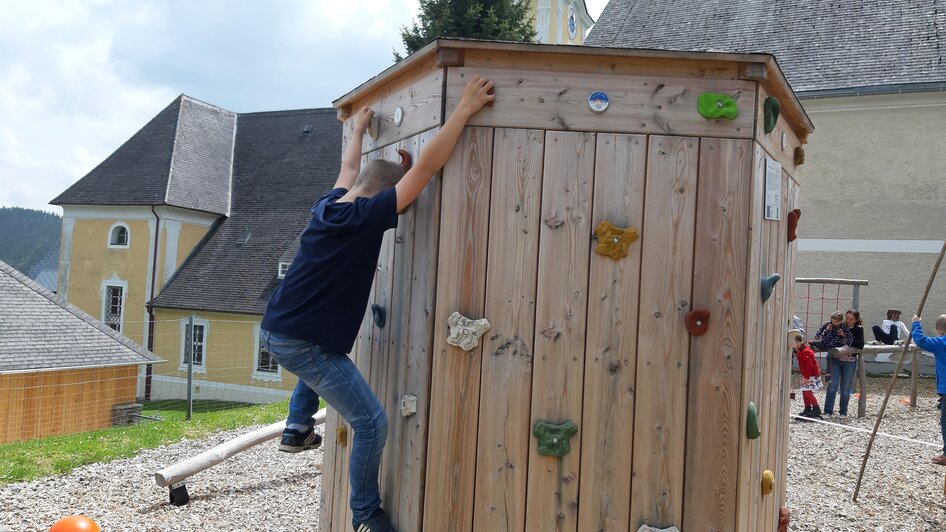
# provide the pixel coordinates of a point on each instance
(378, 522)
(294, 441)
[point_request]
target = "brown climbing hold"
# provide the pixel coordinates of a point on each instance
(793, 218)
(697, 321)
(783, 517)
(799, 156)
(406, 161)
(341, 434)
(614, 241)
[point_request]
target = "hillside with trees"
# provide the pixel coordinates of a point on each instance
(27, 236)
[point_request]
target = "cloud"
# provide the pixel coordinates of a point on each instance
(78, 78)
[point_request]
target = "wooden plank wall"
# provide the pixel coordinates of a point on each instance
(62, 402)
(611, 348)
(561, 308)
(506, 368)
(716, 358)
(455, 385)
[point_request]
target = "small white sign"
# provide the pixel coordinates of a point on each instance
(773, 189)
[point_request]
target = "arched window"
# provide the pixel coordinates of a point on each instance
(119, 236)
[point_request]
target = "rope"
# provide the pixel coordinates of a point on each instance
(865, 431)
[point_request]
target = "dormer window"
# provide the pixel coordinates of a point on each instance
(281, 271)
(119, 236)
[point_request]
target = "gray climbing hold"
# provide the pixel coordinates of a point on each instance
(464, 332)
(768, 285)
(408, 405)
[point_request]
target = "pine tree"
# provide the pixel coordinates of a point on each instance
(501, 20)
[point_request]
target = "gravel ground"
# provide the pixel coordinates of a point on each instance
(262, 489)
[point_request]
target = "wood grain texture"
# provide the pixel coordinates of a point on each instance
(662, 362)
(416, 379)
(455, 378)
(330, 472)
(638, 104)
(794, 196)
(561, 308)
(505, 391)
(611, 345)
(748, 493)
(719, 285)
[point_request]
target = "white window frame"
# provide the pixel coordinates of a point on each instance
(262, 375)
(104, 298)
(282, 269)
(202, 367)
(127, 236)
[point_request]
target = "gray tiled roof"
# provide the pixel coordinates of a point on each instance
(46, 271)
(819, 44)
(182, 157)
(278, 173)
(40, 330)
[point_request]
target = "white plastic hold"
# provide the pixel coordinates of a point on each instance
(464, 332)
(647, 528)
(408, 405)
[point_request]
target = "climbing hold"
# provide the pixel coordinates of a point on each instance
(752, 422)
(408, 405)
(768, 482)
(768, 285)
(398, 116)
(464, 332)
(406, 161)
(341, 435)
(712, 105)
(614, 241)
(783, 518)
(697, 321)
(553, 437)
(793, 218)
(377, 312)
(648, 528)
(771, 109)
(373, 127)
(799, 156)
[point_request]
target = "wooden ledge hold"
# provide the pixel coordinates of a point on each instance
(465, 333)
(449, 57)
(697, 321)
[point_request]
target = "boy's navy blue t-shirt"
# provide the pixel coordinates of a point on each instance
(325, 292)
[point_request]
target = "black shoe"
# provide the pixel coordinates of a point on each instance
(805, 412)
(294, 441)
(816, 412)
(378, 522)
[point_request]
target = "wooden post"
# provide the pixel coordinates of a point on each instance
(903, 353)
(914, 375)
(862, 386)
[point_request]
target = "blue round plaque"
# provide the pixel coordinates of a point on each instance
(598, 101)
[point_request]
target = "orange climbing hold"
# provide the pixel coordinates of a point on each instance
(697, 321)
(614, 241)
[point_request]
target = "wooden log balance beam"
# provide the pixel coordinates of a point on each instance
(173, 476)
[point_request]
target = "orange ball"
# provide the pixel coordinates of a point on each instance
(75, 523)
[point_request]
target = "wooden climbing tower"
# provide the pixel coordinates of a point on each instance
(612, 388)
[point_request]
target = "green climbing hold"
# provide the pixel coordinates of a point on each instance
(712, 105)
(752, 422)
(553, 437)
(771, 108)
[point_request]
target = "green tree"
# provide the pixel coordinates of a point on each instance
(501, 20)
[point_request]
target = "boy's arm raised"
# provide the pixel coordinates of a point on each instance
(351, 159)
(435, 155)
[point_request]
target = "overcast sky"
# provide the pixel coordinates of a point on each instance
(79, 77)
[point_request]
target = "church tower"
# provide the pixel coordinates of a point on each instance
(561, 21)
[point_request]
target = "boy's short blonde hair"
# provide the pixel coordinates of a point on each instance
(378, 175)
(941, 324)
(838, 316)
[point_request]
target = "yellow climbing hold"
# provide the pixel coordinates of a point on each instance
(768, 482)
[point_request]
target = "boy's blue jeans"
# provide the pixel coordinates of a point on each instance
(335, 377)
(842, 373)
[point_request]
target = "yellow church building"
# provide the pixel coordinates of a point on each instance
(561, 21)
(196, 217)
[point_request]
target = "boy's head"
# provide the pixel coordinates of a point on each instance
(941, 325)
(378, 175)
(799, 341)
(837, 318)
(893, 314)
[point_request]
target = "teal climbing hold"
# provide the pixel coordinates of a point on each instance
(712, 105)
(553, 437)
(752, 422)
(771, 109)
(768, 284)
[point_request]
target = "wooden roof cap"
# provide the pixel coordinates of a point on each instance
(760, 67)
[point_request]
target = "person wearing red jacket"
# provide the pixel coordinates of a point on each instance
(810, 377)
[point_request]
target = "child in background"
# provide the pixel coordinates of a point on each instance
(891, 330)
(810, 377)
(937, 346)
